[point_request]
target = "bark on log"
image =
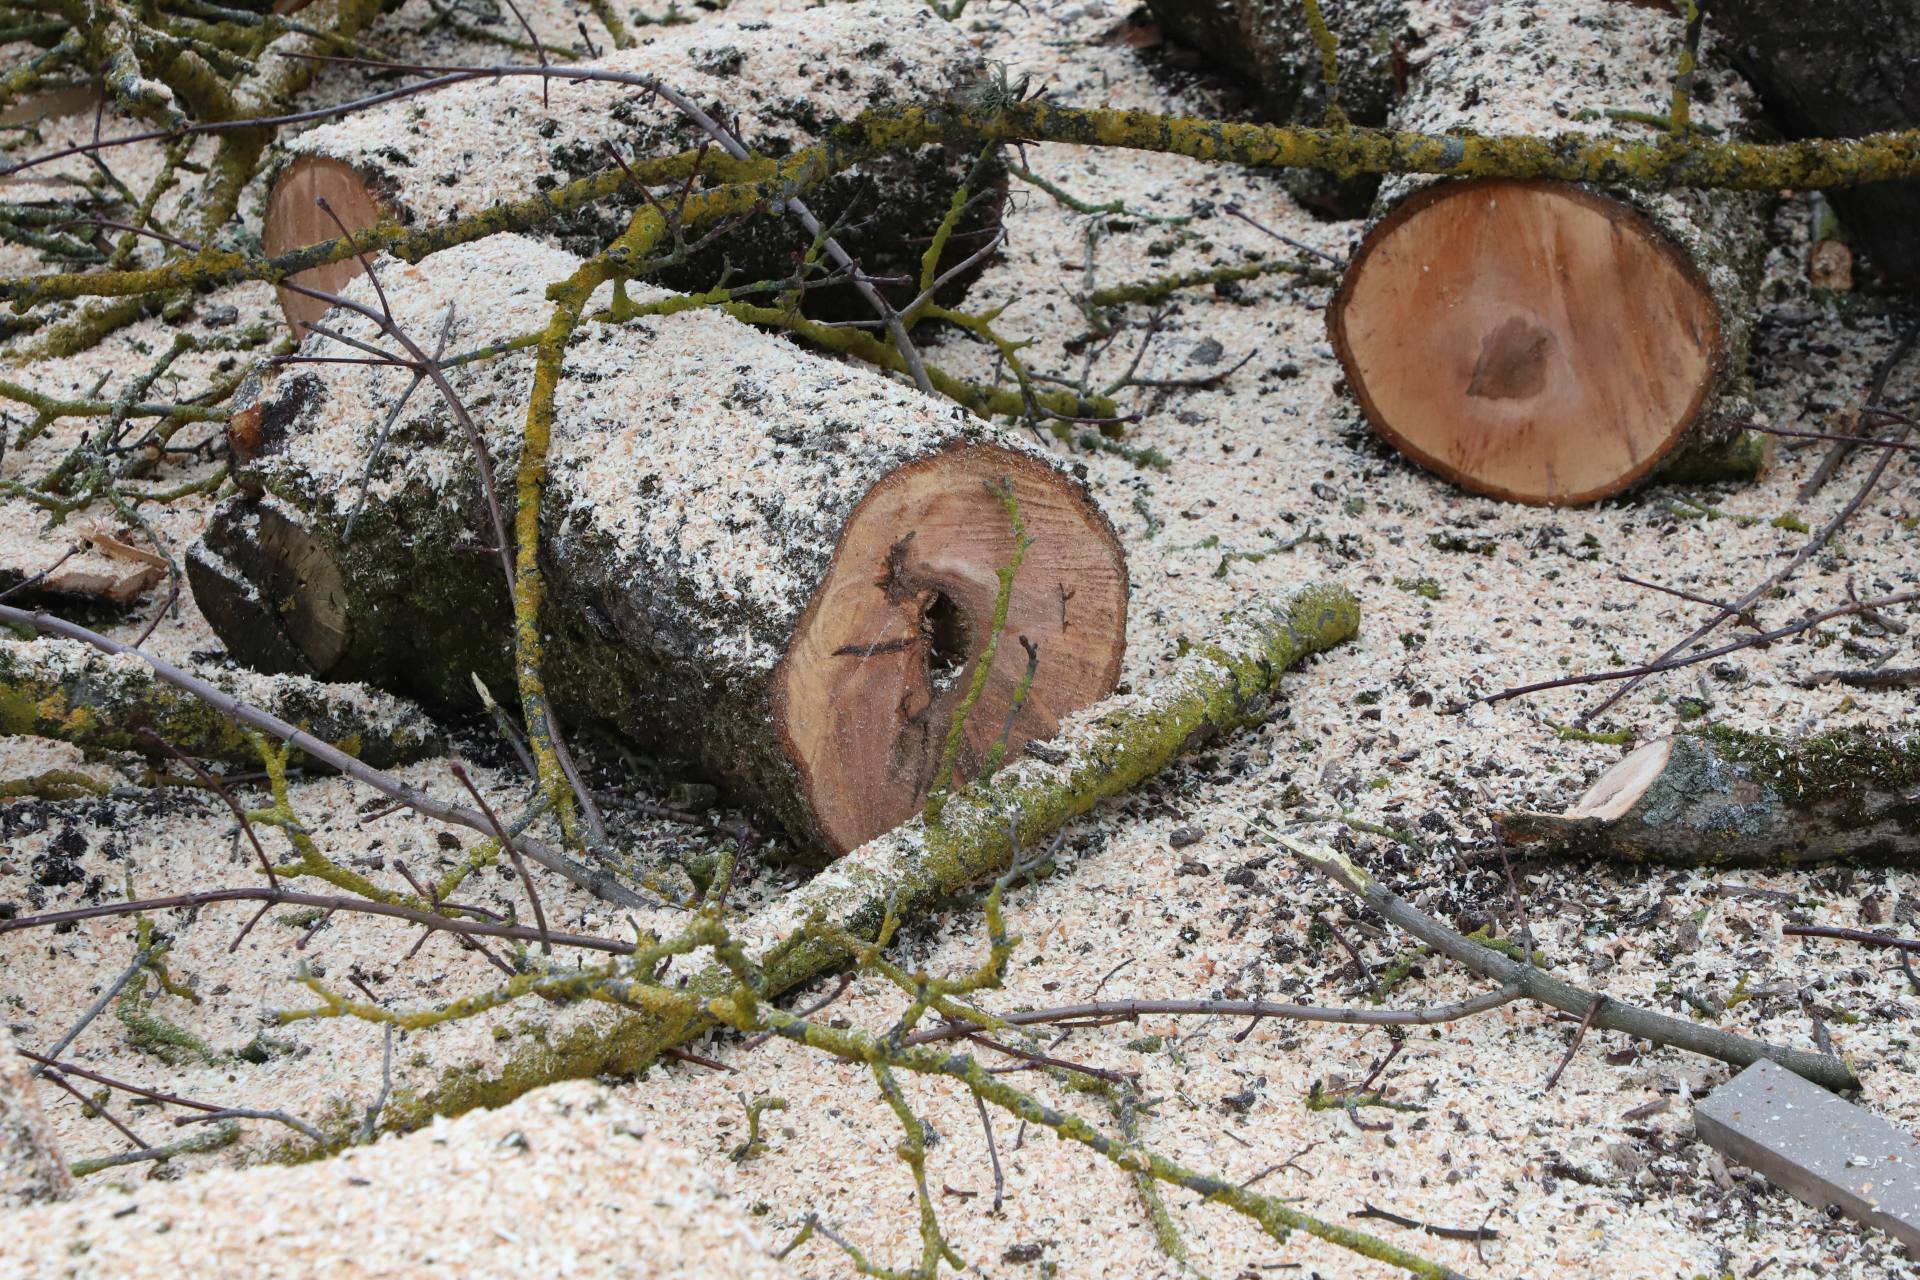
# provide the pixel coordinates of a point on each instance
(1224, 684)
(1269, 45)
(776, 567)
(1544, 342)
(31, 1170)
(1721, 797)
(1840, 69)
(64, 690)
(785, 79)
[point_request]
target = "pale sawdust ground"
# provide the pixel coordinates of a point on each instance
(1572, 1183)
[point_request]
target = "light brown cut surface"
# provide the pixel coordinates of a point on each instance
(1617, 790)
(1527, 340)
(867, 689)
(295, 218)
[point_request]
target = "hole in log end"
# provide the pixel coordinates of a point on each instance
(1532, 341)
(946, 640)
(295, 219)
(887, 648)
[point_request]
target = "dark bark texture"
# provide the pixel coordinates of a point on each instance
(1838, 69)
(1269, 45)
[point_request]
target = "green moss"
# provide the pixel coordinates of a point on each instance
(150, 1033)
(1460, 542)
(1791, 522)
(1834, 772)
(1511, 950)
(1615, 738)
(1220, 686)
(1425, 588)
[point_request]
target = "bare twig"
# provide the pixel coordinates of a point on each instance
(1864, 937)
(294, 898)
(1537, 984)
(1130, 1010)
(519, 864)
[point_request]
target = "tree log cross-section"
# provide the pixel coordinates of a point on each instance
(779, 569)
(1546, 342)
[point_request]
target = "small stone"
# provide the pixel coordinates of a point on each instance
(1191, 868)
(1181, 837)
(1207, 351)
(1022, 1253)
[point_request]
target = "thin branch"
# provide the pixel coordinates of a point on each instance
(519, 865)
(1864, 937)
(323, 902)
(1131, 1010)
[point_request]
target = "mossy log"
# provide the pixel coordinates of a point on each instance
(1840, 69)
(781, 81)
(779, 569)
(31, 1171)
(1544, 342)
(1271, 45)
(1224, 683)
(1721, 797)
(65, 690)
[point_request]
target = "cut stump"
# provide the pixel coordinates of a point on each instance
(781, 82)
(1545, 342)
(780, 569)
(1721, 797)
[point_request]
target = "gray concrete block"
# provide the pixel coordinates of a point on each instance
(1819, 1148)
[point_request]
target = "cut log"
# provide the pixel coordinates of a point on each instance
(1721, 797)
(63, 690)
(778, 568)
(781, 82)
(1268, 45)
(1840, 69)
(1539, 341)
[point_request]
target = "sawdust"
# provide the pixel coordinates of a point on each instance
(1460, 596)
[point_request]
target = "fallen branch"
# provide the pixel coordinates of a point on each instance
(1723, 797)
(1606, 1013)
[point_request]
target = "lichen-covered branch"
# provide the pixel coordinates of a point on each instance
(1222, 684)
(1664, 161)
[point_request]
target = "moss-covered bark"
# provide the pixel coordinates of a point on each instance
(63, 690)
(283, 69)
(786, 77)
(1723, 797)
(1221, 685)
(691, 488)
